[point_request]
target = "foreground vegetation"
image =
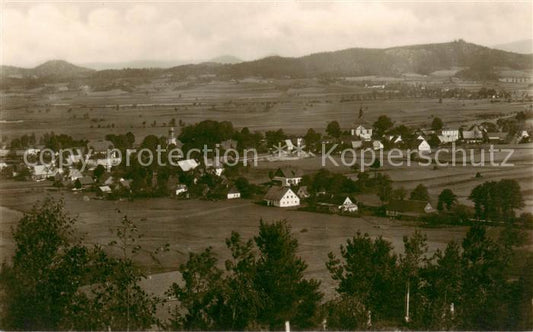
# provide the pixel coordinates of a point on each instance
(54, 281)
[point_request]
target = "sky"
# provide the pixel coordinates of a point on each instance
(113, 32)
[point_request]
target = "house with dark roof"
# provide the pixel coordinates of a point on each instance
(288, 176)
(281, 197)
(410, 208)
(233, 193)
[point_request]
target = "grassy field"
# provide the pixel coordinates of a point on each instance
(193, 225)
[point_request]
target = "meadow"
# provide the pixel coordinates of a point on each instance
(262, 105)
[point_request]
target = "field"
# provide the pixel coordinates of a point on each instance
(262, 105)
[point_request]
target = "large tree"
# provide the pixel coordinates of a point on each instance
(420, 193)
(446, 200)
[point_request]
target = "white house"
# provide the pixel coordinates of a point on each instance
(364, 133)
(357, 144)
(348, 205)
(233, 193)
(449, 135)
(180, 189)
(281, 197)
(424, 146)
(187, 164)
(377, 145)
(171, 139)
(288, 176)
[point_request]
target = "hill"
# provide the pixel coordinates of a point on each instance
(421, 59)
(52, 69)
(478, 63)
(520, 46)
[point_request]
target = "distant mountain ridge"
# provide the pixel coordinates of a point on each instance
(524, 46)
(478, 61)
(51, 69)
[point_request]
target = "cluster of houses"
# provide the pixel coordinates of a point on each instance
(290, 193)
(474, 135)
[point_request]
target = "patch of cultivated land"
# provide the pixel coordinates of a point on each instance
(192, 225)
(259, 106)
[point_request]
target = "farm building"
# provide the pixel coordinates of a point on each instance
(472, 136)
(377, 145)
(411, 208)
(233, 193)
(281, 197)
(497, 137)
(288, 176)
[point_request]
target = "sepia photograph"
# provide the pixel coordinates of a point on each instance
(266, 165)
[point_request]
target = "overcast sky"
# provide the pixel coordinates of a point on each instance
(117, 32)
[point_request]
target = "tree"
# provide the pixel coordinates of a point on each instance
(446, 200)
(399, 193)
(201, 294)
(420, 193)
(312, 138)
(437, 124)
(40, 285)
(333, 129)
(366, 276)
(382, 124)
(497, 200)
(287, 295)
(98, 172)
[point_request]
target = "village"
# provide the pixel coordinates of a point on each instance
(97, 169)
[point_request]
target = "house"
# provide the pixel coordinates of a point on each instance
(449, 135)
(74, 174)
(104, 190)
(233, 193)
(187, 164)
(171, 139)
(289, 145)
(83, 182)
(181, 189)
(348, 205)
(424, 146)
(473, 135)
(42, 172)
(395, 139)
(411, 208)
(362, 132)
(523, 136)
(100, 146)
(288, 176)
(281, 197)
(497, 137)
(126, 184)
(377, 145)
(357, 144)
(338, 203)
(303, 192)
